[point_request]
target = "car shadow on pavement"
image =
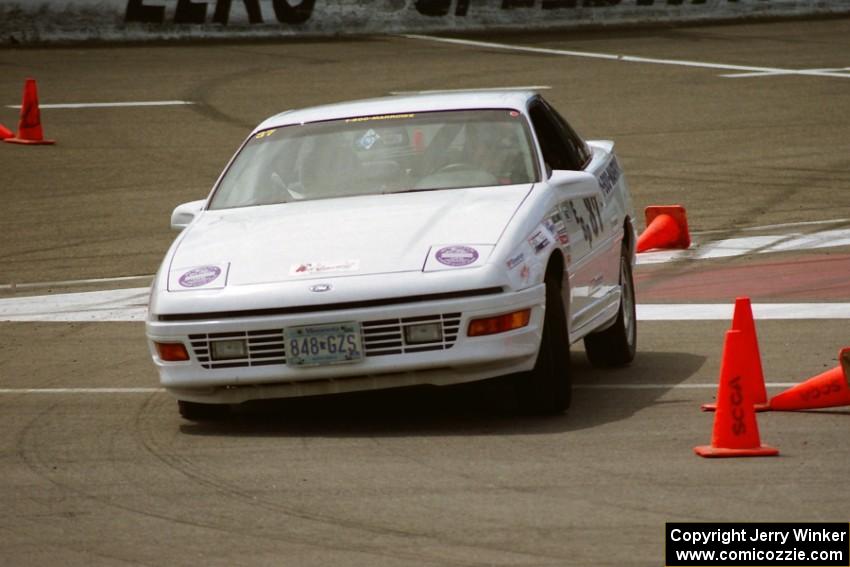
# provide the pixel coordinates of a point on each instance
(483, 408)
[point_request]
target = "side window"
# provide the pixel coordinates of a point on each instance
(551, 145)
(577, 145)
(561, 147)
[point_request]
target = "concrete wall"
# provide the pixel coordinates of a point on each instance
(27, 21)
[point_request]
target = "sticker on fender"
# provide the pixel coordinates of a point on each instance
(456, 256)
(204, 277)
(538, 241)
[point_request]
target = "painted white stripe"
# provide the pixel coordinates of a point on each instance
(110, 104)
(754, 74)
(731, 247)
(776, 73)
(38, 285)
(624, 58)
(93, 306)
(81, 390)
(723, 312)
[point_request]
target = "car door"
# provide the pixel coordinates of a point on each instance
(610, 212)
(588, 222)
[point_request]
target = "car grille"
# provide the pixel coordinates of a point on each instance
(380, 338)
(264, 348)
(387, 336)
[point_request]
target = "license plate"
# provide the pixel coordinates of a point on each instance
(318, 345)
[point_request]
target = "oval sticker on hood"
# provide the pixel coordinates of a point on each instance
(456, 256)
(197, 277)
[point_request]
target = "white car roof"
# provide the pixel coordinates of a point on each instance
(424, 102)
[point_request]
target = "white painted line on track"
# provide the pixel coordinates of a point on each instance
(779, 73)
(39, 285)
(723, 311)
(754, 74)
(626, 58)
(110, 104)
(91, 306)
(731, 247)
(81, 390)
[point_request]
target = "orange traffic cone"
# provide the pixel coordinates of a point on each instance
(736, 432)
(5, 132)
(29, 126)
(827, 390)
(666, 227)
(743, 321)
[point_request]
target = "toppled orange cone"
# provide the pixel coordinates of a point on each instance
(666, 228)
(735, 432)
(5, 133)
(827, 390)
(743, 321)
(29, 126)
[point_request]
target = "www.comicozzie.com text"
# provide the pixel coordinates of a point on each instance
(756, 534)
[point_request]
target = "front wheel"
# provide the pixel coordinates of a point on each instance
(616, 345)
(547, 389)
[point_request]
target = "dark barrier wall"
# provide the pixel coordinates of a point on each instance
(62, 20)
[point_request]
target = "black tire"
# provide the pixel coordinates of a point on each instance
(547, 389)
(194, 411)
(616, 345)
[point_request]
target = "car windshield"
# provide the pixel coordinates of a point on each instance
(379, 154)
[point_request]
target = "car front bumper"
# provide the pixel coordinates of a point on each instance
(456, 359)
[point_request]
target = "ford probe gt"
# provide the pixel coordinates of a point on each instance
(425, 239)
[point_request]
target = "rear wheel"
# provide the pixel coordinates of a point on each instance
(547, 388)
(194, 411)
(616, 345)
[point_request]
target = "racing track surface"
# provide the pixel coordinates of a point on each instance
(112, 475)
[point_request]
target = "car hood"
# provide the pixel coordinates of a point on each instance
(341, 237)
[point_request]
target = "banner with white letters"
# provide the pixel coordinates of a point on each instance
(31, 21)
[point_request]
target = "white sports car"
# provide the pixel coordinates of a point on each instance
(427, 239)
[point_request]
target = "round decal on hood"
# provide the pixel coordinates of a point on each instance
(197, 277)
(457, 255)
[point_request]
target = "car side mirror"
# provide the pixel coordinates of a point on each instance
(184, 214)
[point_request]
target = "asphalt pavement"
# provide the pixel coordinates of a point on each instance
(98, 468)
